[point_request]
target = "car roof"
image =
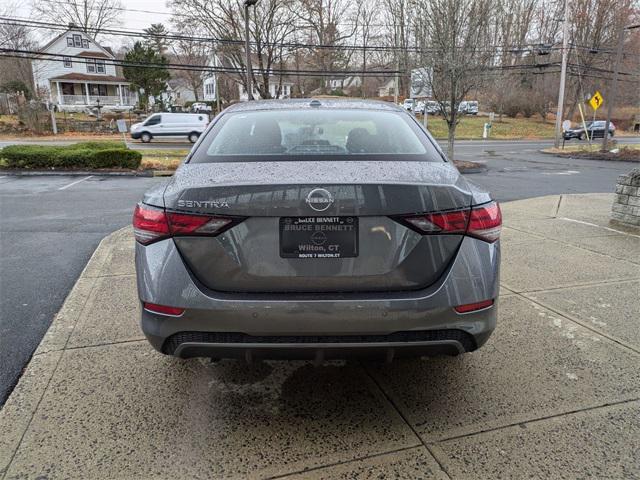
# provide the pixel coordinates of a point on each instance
(305, 104)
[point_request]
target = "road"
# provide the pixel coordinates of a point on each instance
(52, 224)
(461, 145)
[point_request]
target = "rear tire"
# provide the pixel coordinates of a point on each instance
(193, 137)
(145, 137)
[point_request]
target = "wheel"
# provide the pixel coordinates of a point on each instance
(193, 137)
(145, 137)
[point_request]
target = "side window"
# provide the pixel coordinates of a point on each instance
(155, 120)
(69, 41)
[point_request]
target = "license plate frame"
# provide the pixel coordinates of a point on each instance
(319, 237)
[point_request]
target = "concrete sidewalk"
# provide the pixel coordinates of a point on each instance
(555, 392)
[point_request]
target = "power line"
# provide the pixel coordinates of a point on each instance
(60, 57)
(291, 45)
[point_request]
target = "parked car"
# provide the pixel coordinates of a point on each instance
(187, 125)
(432, 107)
(199, 107)
(469, 107)
(594, 130)
(408, 104)
(317, 229)
(419, 107)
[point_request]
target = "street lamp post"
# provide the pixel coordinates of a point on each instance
(613, 92)
(247, 4)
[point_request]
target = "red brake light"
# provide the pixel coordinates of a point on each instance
(163, 309)
(151, 224)
(472, 307)
(445, 222)
(485, 222)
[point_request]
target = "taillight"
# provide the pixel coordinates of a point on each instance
(152, 224)
(445, 222)
(149, 224)
(483, 222)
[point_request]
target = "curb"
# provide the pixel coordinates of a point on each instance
(572, 157)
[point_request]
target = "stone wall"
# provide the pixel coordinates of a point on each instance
(626, 205)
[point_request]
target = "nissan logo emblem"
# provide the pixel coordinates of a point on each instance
(319, 199)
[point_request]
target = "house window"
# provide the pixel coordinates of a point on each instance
(67, 62)
(96, 89)
(69, 41)
(85, 43)
(91, 65)
(77, 40)
(100, 66)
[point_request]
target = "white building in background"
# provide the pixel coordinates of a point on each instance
(85, 76)
(347, 84)
(273, 90)
(209, 88)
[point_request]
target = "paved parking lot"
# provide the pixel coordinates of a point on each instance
(50, 227)
(554, 394)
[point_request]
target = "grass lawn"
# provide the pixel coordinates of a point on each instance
(162, 159)
(470, 128)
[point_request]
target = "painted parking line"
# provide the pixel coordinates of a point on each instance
(598, 226)
(75, 183)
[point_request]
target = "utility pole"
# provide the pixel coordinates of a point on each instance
(614, 84)
(397, 82)
(563, 73)
(247, 4)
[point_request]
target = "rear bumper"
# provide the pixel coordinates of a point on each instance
(381, 325)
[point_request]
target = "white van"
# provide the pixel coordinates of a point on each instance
(189, 125)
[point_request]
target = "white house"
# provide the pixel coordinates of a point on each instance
(209, 85)
(387, 89)
(85, 76)
(346, 84)
(273, 90)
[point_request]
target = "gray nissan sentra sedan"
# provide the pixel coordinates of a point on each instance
(317, 229)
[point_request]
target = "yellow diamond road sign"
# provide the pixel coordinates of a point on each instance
(596, 100)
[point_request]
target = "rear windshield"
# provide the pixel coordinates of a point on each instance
(315, 134)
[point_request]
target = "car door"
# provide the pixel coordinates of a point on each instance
(153, 123)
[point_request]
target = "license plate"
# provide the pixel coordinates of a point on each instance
(318, 237)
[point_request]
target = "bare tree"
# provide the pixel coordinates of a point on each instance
(322, 20)
(92, 16)
(271, 24)
(398, 14)
(16, 37)
(193, 52)
(368, 12)
(458, 34)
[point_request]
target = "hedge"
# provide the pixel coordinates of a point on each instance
(79, 155)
